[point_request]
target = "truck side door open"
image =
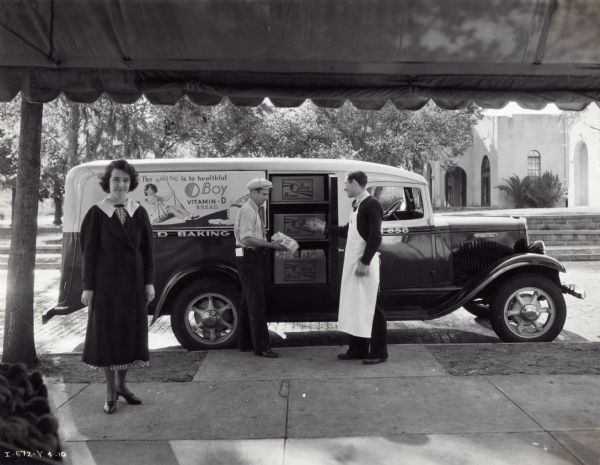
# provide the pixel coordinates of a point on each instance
(311, 272)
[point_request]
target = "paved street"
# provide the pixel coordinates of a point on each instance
(66, 334)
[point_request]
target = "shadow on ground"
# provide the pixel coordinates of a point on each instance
(167, 366)
(538, 358)
(434, 335)
(394, 336)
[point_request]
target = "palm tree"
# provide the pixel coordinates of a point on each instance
(518, 190)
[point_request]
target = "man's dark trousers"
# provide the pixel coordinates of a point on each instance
(252, 322)
(359, 346)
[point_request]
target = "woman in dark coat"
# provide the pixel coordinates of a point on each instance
(118, 269)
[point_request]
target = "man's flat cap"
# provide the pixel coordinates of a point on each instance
(259, 183)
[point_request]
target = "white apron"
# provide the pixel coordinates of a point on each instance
(358, 294)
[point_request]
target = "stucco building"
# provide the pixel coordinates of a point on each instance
(565, 143)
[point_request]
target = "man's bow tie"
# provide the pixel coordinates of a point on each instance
(119, 205)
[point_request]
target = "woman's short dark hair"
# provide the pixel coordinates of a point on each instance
(359, 176)
(119, 165)
(152, 187)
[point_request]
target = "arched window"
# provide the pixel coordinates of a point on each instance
(485, 182)
(534, 164)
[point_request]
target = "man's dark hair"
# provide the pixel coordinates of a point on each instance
(359, 176)
(119, 165)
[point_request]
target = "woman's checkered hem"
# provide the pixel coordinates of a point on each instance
(125, 366)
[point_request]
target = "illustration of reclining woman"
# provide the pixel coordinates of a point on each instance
(159, 211)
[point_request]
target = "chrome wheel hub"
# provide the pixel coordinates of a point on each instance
(529, 312)
(211, 318)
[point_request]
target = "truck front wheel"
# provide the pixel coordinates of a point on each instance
(528, 308)
(205, 314)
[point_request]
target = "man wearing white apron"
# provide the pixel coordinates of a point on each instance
(360, 312)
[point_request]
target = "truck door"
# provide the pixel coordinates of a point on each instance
(304, 285)
(406, 248)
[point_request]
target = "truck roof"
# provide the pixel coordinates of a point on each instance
(270, 164)
(81, 186)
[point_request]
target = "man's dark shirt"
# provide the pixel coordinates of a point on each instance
(368, 223)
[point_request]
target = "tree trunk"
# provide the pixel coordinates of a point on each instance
(57, 196)
(19, 345)
(73, 135)
(13, 200)
(58, 210)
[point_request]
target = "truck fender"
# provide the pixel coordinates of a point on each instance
(478, 283)
(185, 272)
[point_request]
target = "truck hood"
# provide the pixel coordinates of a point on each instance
(479, 223)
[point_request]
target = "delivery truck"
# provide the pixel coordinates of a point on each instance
(431, 265)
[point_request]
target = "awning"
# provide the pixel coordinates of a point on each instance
(368, 51)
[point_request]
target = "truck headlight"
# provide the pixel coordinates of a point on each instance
(537, 247)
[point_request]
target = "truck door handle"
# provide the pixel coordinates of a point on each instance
(340, 250)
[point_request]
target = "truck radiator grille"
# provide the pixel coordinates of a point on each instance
(475, 256)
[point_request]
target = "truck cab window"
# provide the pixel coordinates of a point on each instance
(398, 202)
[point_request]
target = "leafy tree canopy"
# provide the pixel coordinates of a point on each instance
(75, 133)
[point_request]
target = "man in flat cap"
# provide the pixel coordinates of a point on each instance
(250, 234)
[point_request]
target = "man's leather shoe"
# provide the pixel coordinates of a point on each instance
(268, 353)
(374, 361)
(347, 356)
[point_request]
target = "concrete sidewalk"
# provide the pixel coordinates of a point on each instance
(309, 408)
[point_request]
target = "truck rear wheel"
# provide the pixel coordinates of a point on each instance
(205, 314)
(528, 308)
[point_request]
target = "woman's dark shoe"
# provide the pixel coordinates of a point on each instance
(110, 406)
(129, 397)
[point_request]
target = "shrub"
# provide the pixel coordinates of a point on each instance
(542, 192)
(546, 191)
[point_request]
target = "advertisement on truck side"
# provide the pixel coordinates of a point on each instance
(191, 199)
